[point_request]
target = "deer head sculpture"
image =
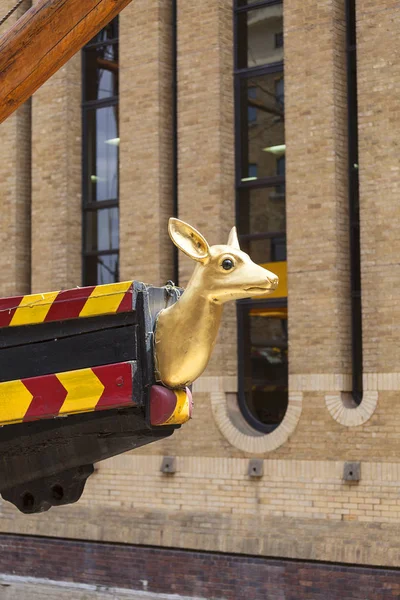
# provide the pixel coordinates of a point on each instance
(186, 332)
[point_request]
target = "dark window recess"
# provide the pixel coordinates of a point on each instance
(263, 356)
(251, 110)
(253, 171)
(260, 206)
(280, 92)
(278, 249)
(100, 152)
(354, 204)
(279, 40)
(280, 171)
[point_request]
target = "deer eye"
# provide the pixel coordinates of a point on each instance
(228, 264)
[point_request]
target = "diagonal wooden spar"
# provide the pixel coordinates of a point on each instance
(43, 40)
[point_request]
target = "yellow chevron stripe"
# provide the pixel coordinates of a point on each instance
(14, 401)
(84, 391)
(105, 299)
(33, 308)
(181, 413)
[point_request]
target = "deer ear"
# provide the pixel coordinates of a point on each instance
(189, 240)
(233, 239)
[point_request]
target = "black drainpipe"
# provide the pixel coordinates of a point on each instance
(174, 49)
(354, 203)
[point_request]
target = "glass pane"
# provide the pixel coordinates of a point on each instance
(102, 269)
(102, 232)
(109, 32)
(266, 365)
(102, 154)
(240, 3)
(262, 127)
(262, 210)
(260, 35)
(101, 72)
(265, 250)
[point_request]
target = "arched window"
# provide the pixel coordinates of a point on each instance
(100, 154)
(260, 207)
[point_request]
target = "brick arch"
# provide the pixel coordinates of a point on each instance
(343, 409)
(238, 433)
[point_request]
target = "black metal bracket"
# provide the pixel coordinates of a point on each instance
(46, 463)
(42, 494)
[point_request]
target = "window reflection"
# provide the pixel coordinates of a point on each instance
(260, 28)
(102, 147)
(265, 249)
(101, 63)
(262, 123)
(101, 157)
(261, 210)
(102, 229)
(109, 32)
(102, 269)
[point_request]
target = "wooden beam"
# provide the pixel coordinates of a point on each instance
(42, 41)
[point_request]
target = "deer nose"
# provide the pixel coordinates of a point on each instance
(274, 282)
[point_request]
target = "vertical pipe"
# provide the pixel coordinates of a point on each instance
(175, 199)
(84, 166)
(354, 205)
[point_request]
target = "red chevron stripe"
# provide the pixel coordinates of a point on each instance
(117, 381)
(69, 304)
(127, 301)
(48, 397)
(8, 307)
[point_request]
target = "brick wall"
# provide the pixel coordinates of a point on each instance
(56, 181)
(298, 509)
(15, 191)
(317, 233)
(379, 131)
(146, 202)
(206, 141)
(301, 508)
(192, 574)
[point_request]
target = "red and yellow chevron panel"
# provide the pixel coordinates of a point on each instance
(170, 407)
(60, 394)
(69, 304)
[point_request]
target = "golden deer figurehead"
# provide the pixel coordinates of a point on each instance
(186, 331)
(223, 272)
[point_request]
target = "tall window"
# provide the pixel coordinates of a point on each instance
(100, 157)
(260, 207)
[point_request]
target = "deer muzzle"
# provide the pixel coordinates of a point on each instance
(270, 285)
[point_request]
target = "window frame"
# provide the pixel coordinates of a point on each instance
(86, 106)
(241, 74)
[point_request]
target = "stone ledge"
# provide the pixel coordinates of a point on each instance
(342, 382)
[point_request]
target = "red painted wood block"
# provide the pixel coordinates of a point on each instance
(170, 407)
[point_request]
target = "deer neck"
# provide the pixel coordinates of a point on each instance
(198, 314)
(185, 336)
